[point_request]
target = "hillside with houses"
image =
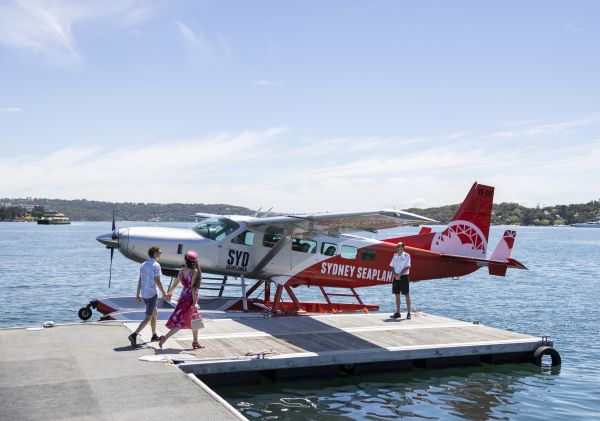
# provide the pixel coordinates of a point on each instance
(30, 209)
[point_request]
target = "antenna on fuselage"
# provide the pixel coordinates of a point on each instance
(257, 212)
(268, 212)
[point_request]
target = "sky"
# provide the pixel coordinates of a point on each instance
(302, 106)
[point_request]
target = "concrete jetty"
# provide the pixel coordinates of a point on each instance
(90, 372)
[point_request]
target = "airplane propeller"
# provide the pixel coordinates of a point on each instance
(114, 236)
(111, 241)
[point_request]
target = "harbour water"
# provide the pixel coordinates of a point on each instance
(49, 272)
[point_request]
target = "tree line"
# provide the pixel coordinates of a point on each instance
(515, 214)
(88, 210)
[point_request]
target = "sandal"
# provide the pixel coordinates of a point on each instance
(161, 341)
(196, 345)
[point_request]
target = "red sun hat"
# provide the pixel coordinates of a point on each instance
(191, 256)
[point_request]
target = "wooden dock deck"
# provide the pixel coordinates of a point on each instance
(324, 344)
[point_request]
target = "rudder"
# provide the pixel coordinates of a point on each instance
(468, 231)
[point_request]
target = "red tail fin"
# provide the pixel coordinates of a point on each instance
(477, 208)
(467, 233)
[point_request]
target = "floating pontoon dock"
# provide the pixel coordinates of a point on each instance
(90, 371)
(238, 350)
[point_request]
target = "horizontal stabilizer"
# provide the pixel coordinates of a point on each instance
(495, 267)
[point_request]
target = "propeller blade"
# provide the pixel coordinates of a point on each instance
(115, 236)
(112, 252)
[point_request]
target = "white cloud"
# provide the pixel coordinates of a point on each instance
(192, 40)
(45, 28)
(547, 128)
(264, 82)
(573, 27)
(200, 49)
(273, 168)
(10, 109)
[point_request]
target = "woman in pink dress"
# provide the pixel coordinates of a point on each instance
(186, 309)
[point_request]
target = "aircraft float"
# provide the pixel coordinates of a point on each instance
(319, 250)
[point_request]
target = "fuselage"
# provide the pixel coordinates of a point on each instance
(232, 248)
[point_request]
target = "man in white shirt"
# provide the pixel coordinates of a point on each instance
(148, 286)
(401, 266)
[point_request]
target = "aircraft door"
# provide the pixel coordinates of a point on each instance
(238, 255)
(273, 251)
(302, 250)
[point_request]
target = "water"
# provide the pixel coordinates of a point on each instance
(49, 272)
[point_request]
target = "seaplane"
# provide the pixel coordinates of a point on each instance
(320, 250)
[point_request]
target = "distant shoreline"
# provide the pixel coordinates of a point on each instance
(85, 210)
(108, 221)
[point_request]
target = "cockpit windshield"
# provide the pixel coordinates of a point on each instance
(216, 228)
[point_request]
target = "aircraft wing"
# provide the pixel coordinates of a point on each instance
(336, 223)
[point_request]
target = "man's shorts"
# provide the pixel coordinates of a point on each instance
(400, 286)
(150, 304)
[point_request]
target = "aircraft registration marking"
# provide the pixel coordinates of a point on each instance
(238, 260)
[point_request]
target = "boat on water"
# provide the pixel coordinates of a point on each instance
(53, 218)
(591, 224)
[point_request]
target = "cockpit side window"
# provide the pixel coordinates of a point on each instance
(272, 236)
(328, 249)
(247, 238)
(216, 228)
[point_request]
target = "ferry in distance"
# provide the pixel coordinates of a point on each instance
(591, 224)
(53, 218)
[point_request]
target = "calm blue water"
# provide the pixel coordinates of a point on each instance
(49, 272)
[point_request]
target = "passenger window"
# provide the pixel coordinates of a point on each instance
(348, 252)
(247, 238)
(328, 249)
(304, 246)
(272, 236)
(367, 255)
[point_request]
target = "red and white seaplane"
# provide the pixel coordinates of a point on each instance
(285, 252)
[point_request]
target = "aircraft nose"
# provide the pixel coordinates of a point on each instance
(110, 239)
